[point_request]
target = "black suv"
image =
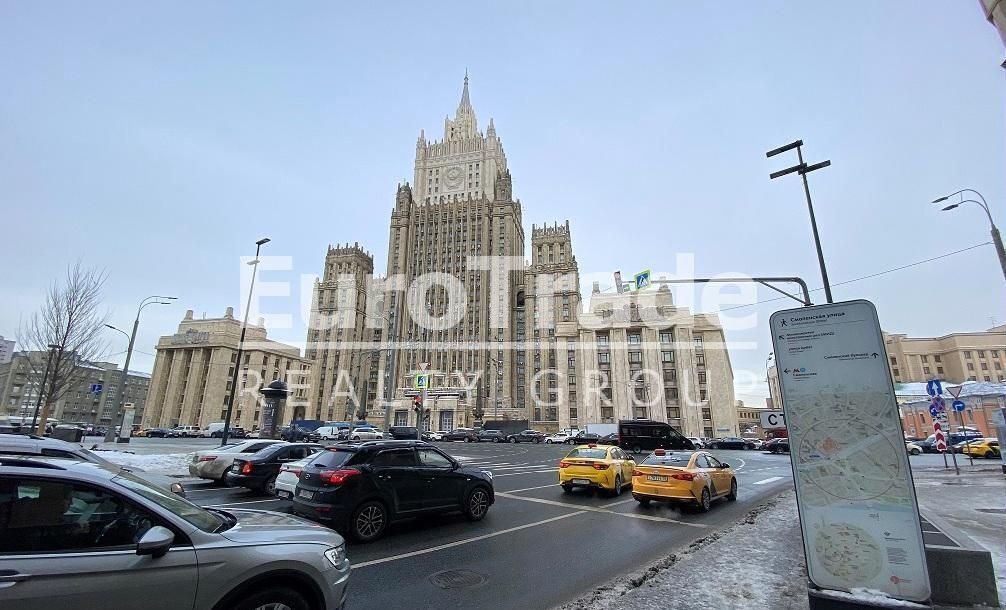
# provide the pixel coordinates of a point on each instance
(491, 436)
(527, 436)
(361, 488)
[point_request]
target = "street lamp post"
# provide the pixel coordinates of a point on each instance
(803, 169)
(110, 433)
(241, 345)
(41, 391)
(997, 239)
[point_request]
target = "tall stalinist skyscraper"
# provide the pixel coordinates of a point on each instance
(496, 329)
(461, 206)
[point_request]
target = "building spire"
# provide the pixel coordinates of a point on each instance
(465, 106)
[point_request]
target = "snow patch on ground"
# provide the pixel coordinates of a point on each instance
(748, 565)
(159, 463)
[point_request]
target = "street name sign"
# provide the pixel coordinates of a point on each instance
(858, 511)
(772, 420)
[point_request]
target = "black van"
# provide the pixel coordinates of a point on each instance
(638, 435)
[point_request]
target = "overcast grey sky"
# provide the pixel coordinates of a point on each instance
(160, 140)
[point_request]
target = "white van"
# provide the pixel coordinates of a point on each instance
(329, 433)
(214, 430)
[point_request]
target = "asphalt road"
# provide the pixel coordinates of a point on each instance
(537, 547)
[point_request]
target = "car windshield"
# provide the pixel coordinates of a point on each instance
(679, 460)
(597, 454)
(180, 507)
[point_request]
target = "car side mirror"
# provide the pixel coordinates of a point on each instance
(155, 542)
(724, 465)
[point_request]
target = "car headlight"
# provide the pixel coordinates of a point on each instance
(488, 473)
(336, 555)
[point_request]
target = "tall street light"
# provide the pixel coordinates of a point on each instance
(803, 169)
(241, 345)
(996, 238)
(110, 433)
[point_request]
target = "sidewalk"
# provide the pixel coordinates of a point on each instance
(758, 562)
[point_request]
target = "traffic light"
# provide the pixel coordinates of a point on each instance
(417, 403)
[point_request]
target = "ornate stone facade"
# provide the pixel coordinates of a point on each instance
(514, 341)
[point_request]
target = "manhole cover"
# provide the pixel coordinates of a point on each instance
(457, 579)
(996, 511)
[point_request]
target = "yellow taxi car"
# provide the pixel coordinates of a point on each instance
(596, 467)
(683, 477)
(982, 447)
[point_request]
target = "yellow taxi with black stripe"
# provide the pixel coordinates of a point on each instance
(596, 467)
(694, 478)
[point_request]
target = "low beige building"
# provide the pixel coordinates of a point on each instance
(191, 381)
(641, 357)
(974, 356)
(749, 419)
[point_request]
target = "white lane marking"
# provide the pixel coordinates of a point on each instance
(216, 489)
(513, 491)
(768, 480)
(246, 502)
(440, 547)
(598, 509)
(619, 502)
(514, 474)
(743, 464)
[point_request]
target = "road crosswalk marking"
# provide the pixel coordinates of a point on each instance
(768, 480)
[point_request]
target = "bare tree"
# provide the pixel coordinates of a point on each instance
(69, 320)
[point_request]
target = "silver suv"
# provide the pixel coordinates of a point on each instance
(84, 535)
(30, 444)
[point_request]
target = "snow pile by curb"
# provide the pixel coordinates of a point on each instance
(750, 564)
(158, 463)
(871, 597)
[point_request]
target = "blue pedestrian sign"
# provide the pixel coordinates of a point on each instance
(421, 381)
(642, 279)
(959, 405)
(96, 388)
(933, 387)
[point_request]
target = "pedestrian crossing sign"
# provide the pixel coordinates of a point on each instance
(642, 279)
(421, 381)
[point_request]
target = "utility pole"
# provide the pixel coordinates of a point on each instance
(803, 169)
(241, 344)
(110, 433)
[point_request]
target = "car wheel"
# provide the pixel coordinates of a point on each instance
(732, 496)
(468, 440)
(477, 504)
(548, 441)
(705, 500)
(642, 501)
(273, 598)
(537, 441)
(618, 486)
(915, 452)
(567, 489)
(356, 438)
(637, 449)
(513, 439)
(370, 520)
(269, 487)
(990, 455)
